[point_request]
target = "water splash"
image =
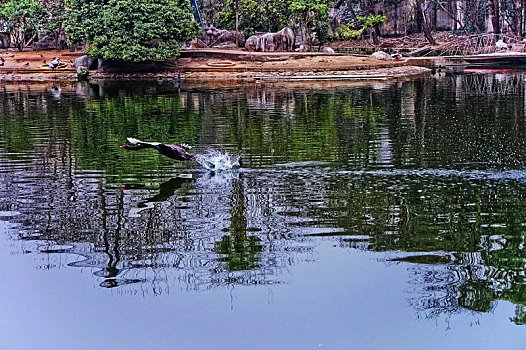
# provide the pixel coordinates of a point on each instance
(214, 160)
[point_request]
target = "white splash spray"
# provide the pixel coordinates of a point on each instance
(214, 160)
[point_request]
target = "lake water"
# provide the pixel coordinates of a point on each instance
(384, 215)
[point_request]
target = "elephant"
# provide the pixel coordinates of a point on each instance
(266, 43)
(227, 35)
(270, 42)
(251, 44)
(287, 39)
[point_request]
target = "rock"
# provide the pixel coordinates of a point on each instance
(381, 55)
(227, 45)
(303, 48)
(184, 60)
(327, 49)
(83, 61)
(82, 73)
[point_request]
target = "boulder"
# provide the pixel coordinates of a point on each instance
(226, 45)
(327, 49)
(82, 73)
(83, 61)
(381, 55)
(303, 48)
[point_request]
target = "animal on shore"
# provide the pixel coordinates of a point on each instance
(396, 55)
(287, 39)
(270, 42)
(54, 64)
(501, 45)
(2, 61)
(177, 152)
(266, 43)
(251, 44)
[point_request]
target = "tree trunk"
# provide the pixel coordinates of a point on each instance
(369, 7)
(494, 15)
(350, 9)
(420, 12)
(237, 22)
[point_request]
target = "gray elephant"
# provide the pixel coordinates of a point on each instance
(286, 37)
(251, 44)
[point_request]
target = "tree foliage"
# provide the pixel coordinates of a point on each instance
(22, 19)
(254, 15)
(351, 31)
(55, 18)
(312, 16)
(127, 30)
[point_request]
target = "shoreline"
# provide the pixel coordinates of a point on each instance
(218, 65)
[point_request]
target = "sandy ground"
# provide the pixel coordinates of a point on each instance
(34, 64)
(214, 64)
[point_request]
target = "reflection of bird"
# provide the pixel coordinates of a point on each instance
(54, 64)
(166, 190)
(56, 91)
(177, 152)
(177, 79)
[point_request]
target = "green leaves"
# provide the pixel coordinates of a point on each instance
(351, 31)
(22, 18)
(254, 15)
(128, 30)
(348, 32)
(371, 20)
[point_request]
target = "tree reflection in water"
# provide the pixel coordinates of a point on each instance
(427, 172)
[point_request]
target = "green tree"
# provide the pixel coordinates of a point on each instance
(22, 19)
(254, 15)
(56, 16)
(311, 15)
(351, 31)
(127, 30)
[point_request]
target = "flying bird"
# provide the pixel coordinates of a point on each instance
(178, 152)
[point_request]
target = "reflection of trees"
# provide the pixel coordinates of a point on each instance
(394, 178)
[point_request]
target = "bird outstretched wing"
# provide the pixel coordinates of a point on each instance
(139, 142)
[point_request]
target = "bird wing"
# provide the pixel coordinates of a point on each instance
(180, 148)
(139, 142)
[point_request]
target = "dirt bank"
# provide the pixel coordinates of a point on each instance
(215, 65)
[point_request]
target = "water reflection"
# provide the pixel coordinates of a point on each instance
(428, 172)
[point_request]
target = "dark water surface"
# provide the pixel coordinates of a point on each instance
(387, 215)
